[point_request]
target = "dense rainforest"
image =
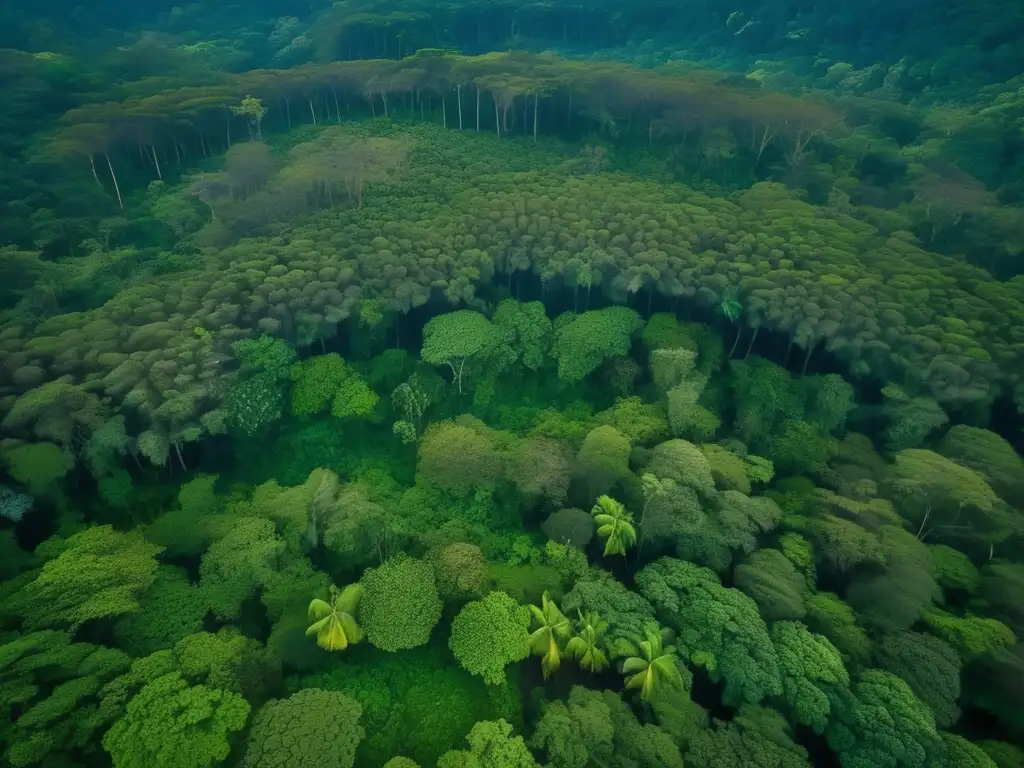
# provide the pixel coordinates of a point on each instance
(498, 384)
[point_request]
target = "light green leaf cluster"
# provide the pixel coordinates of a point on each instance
(400, 604)
(489, 634)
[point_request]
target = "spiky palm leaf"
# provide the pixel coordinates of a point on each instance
(552, 626)
(614, 525)
(655, 666)
(334, 622)
(587, 647)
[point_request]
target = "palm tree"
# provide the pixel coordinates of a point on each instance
(334, 622)
(587, 647)
(615, 525)
(552, 626)
(654, 667)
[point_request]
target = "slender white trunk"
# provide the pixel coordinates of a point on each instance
(444, 113)
(117, 188)
(384, 98)
(497, 118)
(536, 109)
(92, 164)
(156, 162)
(312, 111)
(458, 91)
(336, 107)
(478, 110)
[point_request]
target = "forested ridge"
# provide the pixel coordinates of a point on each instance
(492, 385)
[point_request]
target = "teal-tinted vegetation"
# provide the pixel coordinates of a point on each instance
(506, 385)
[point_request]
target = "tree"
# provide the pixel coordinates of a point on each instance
(881, 723)
(461, 337)
(315, 382)
(718, 628)
(961, 752)
(684, 463)
(811, 669)
(491, 745)
(758, 737)
(237, 565)
(770, 578)
(654, 668)
(311, 727)
(911, 419)
(459, 455)
(583, 342)
(100, 573)
(553, 628)
(831, 617)
(540, 469)
(603, 459)
(169, 610)
(575, 733)
(400, 605)
(333, 621)
(971, 636)
(929, 666)
(944, 500)
(587, 645)
(252, 109)
(571, 527)
(990, 455)
(528, 330)
(1001, 594)
(625, 613)
(461, 571)
(614, 525)
(170, 722)
(489, 634)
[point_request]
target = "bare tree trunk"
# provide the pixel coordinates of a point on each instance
(384, 98)
(156, 162)
(497, 118)
(337, 108)
(807, 357)
(753, 338)
(177, 450)
(478, 110)
(444, 113)
(458, 92)
(536, 109)
(92, 164)
(739, 332)
(312, 111)
(117, 188)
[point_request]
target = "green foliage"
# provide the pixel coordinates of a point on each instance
(641, 422)
(238, 564)
(614, 525)
(971, 636)
(227, 660)
(459, 456)
(911, 419)
(465, 337)
(419, 702)
(684, 463)
(460, 570)
(626, 613)
(38, 466)
(718, 628)
(315, 382)
(171, 609)
(551, 632)
(311, 727)
(953, 569)
(990, 455)
(489, 634)
(571, 527)
(961, 752)
(528, 331)
(354, 399)
(587, 646)
(170, 722)
(881, 723)
(831, 617)
(100, 573)
(491, 745)
(400, 605)
(758, 737)
(583, 342)
(333, 621)
(603, 459)
(929, 666)
(655, 667)
(770, 578)
(812, 670)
